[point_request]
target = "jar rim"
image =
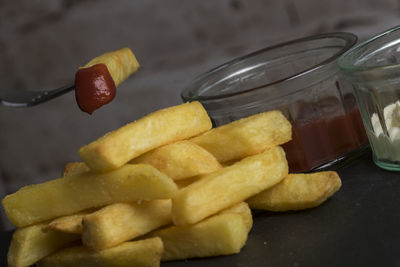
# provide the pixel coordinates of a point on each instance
(349, 38)
(348, 68)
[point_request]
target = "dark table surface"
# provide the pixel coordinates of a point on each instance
(358, 226)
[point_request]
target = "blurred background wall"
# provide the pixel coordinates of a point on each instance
(42, 43)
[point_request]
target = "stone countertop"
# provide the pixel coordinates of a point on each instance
(43, 43)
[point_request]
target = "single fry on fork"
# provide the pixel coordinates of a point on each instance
(120, 63)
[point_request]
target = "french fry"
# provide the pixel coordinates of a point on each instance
(73, 168)
(120, 63)
(297, 192)
(68, 224)
(65, 196)
(228, 186)
(221, 234)
(121, 222)
(159, 128)
(246, 137)
(180, 160)
(242, 209)
(30, 244)
(138, 253)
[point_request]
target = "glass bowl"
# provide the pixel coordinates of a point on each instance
(373, 68)
(301, 79)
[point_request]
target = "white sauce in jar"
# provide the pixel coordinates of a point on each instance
(386, 144)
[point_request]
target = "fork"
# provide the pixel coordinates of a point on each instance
(23, 98)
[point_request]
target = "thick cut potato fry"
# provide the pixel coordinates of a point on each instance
(121, 222)
(81, 167)
(242, 209)
(66, 196)
(30, 244)
(68, 224)
(120, 63)
(297, 192)
(73, 168)
(246, 137)
(159, 128)
(180, 160)
(228, 186)
(129, 254)
(221, 234)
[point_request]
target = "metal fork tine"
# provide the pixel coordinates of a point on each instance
(21, 98)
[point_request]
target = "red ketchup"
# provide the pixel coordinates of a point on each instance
(94, 87)
(322, 140)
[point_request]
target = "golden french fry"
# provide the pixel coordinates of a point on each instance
(120, 63)
(245, 137)
(68, 224)
(30, 244)
(120, 222)
(73, 168)
(180, 160)
(242, 209)
(65, 196)
(228, 186)
(221, 234)
(297, 192)
(138, 253)
(154, 130)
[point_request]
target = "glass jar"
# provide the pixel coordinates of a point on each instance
(373, 68)
(299, 78)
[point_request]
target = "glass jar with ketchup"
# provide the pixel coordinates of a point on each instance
(300, 78)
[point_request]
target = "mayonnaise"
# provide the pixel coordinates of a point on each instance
(386, 144)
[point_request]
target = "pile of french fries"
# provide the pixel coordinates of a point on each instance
(165, 187)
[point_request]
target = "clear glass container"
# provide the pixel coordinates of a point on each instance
(300, 78)
(373, 68)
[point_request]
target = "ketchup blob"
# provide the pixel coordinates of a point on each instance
(318, 141)
(94, 87)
